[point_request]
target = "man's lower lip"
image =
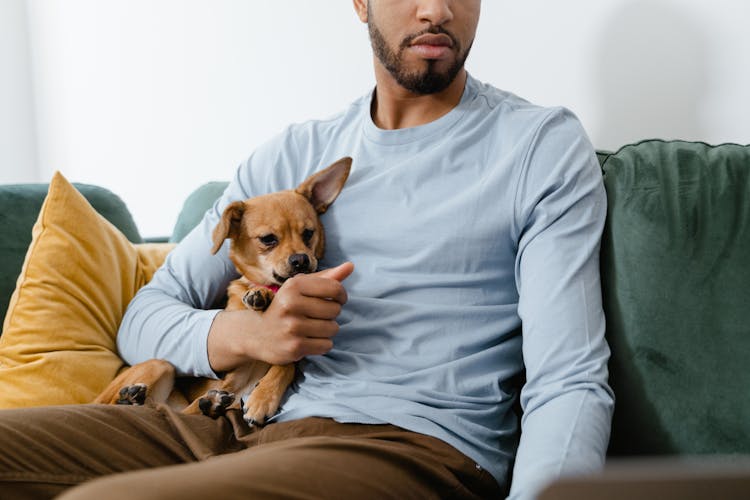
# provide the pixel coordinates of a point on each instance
(431, 51)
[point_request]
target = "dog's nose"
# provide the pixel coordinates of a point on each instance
(299, 263)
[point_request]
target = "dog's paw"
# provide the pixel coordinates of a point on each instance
(215, 403)
(133, 395)
(259, 408)
(258, 299)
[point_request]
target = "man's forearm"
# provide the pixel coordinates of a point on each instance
(158, 326)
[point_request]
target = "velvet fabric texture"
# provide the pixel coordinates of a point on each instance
(195, 207)
(19, 207)
(79, 274)
(676, 282)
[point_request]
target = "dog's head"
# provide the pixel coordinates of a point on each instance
(278, 235)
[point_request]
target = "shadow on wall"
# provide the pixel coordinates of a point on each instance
(651, 64)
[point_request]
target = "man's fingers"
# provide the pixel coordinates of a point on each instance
(322, 329)
(338, 273)
(315, 308)
(319, 340)
(316, 347)
(314, 285)
(307, 306)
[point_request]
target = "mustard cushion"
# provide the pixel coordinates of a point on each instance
(80, 273)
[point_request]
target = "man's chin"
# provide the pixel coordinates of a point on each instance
(426, 82)
(427, 76)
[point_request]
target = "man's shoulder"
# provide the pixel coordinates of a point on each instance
(508, 102)
(300, 149)
(518, 117)
(349, 116)
(495, 97)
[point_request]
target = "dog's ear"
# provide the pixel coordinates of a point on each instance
(323, 187)
(230, 224)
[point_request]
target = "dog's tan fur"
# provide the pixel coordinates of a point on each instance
(289, 220)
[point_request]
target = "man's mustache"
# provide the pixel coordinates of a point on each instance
(433, 30)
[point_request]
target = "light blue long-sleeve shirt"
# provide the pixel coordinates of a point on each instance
(476, 240)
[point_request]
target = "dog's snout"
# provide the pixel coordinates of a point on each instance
(299, 263)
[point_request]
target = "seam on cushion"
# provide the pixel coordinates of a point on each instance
(672, 141)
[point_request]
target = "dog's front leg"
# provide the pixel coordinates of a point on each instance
(258, 298)
(214, 397)
(214, 403)
(264, 401)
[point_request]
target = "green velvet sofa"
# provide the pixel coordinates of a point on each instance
(675, 264)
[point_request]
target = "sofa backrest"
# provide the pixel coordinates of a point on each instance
(675, 266)
(195, 207)
(19, 208)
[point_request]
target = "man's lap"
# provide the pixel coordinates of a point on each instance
(143, 452)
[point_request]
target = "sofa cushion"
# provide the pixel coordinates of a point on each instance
(79, 274)
(19, 206)
(195, 207)
(676, 284)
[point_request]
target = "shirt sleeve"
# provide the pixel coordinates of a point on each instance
(566, 401)
(170, 317)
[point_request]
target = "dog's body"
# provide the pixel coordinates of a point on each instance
(273, 237)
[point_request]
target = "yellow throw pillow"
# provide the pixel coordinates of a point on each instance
(80, 273)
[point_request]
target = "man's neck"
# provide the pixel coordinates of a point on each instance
(394, 107)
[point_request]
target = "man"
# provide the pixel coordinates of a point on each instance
(473, 219)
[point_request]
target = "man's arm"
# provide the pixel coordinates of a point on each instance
(567, 403)
(174, 317)
(171, 316)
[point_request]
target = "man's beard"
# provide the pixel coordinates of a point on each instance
(428, 81)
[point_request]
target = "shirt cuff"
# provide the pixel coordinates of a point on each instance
(199, 349)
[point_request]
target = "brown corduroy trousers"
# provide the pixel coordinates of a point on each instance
(153, 452)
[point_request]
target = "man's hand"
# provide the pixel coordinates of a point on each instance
(301, 321)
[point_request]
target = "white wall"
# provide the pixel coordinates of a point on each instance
(17, 137)
(631, 69)
(151, 98)
(154, 97)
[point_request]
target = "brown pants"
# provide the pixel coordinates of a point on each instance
(116, 452)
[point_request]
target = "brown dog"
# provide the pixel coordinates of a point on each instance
(273, 237)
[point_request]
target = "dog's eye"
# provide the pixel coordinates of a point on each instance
(269, 240)
(307, 235)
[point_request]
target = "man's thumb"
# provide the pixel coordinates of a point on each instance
(339, 273)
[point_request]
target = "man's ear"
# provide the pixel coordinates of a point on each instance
(230, 224)
(322, 188)
(361, 7)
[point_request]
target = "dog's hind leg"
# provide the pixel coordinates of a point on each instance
(150, 381)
